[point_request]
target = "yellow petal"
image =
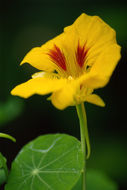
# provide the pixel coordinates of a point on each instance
(103, 55)
(64, 97)
(38, 85)
(38, 59)
(95, 99)
(93, 30)
(103, 68)
(107, 61)
(94, 33)
(89, 30)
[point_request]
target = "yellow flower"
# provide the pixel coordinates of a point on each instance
(73, 64)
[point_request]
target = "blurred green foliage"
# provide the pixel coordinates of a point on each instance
(96, 180)
(3, 169)
(10, 109)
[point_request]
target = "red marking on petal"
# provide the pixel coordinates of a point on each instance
(58, 57)
(81, 54)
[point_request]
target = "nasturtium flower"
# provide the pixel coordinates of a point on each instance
(73, 64)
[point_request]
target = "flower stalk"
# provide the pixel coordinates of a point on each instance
(84, 138)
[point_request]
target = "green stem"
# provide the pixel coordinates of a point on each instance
(84, 138)
(3, 135)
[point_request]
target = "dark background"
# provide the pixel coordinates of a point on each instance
(29, 23)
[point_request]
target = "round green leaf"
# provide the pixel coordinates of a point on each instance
(50, 162)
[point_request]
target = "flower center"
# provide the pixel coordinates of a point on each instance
(70, 78)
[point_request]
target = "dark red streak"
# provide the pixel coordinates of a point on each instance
(81, 55)
(58, 57)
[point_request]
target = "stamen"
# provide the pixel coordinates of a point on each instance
(70, 78)
(38, 74)
(58, 57)
(81, 54)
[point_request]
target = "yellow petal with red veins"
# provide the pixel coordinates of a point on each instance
(95, 99)
(88, 43)
(95, 34)
(38, 57)
(38, 85)
(103, 68)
